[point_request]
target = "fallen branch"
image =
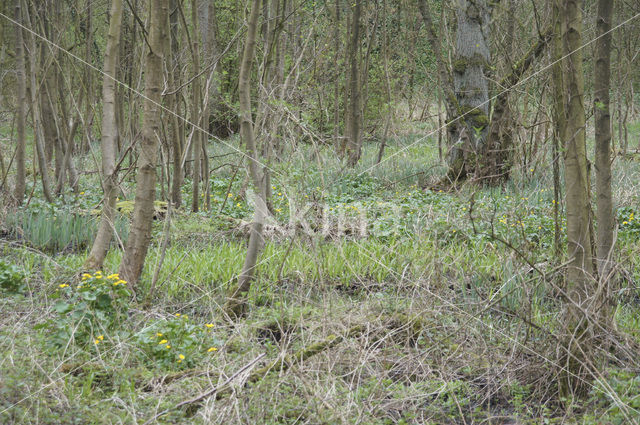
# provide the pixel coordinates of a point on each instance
(285, 362)
(211, 391)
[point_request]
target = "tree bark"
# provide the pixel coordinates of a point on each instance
(140, 232)
(354, 145)
(37, 120)
(576, 344)
(20, 109)
(109, 142)
(177, 125)
(602, 78)
(235, 305)
(471, 88)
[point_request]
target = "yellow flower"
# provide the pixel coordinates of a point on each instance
(209, 325)
(177, 314)
(238, 205)
(86, 276)
(101, 337)
(625, 222)
(279, 193)
(96, 341)
(120, 282)
(114, 276)
(168, 346)
(158, 334)
(164, 341)
(212, 349)
(64, 285)
(181, 356)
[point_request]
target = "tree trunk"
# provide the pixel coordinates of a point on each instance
(604, 202)
(471, 88)
(20, 112)
(109, 142)
(236, 302)
(354, 145)
(37, 121)
(576, 345)
(196, 111)
(177, 125)
(140, 232)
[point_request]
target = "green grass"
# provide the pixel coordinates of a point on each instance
(457, 322)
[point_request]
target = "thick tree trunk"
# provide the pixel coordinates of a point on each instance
(20, 109)
(236, 302)
(471, 89)
(109, 142)
(602, 78)
(576, 343)
(140, 232)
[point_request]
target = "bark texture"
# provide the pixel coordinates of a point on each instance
(576, 341)
(108, 142)
(471, 88)
(236, 302)
(604, 202)
(20, 109)
(140, 232)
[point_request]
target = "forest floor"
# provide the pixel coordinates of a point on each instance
(376, 302)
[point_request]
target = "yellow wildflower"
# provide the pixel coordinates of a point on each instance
(114, 276)
(212, 349)
(164, 341)
(168, 346)
(64, 285)
(181, 356)
(209, 325)
(86, 276)
(158, 334)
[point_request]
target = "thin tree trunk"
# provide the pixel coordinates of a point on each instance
(37, 121)
(109, 142)
(196, 111)
(604, 202)
(354, 145)
(177, 125)
(20, 112)
(236, 302)
(140, 232)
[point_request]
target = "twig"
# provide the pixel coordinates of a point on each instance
(211, 391)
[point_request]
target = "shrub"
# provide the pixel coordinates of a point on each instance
(87, 311)
(11, 278)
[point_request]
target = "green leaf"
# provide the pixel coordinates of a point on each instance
(62, 307)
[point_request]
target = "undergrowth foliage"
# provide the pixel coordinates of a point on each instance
(89, 311)
(177, 343)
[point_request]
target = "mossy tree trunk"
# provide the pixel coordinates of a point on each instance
(471, 60)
